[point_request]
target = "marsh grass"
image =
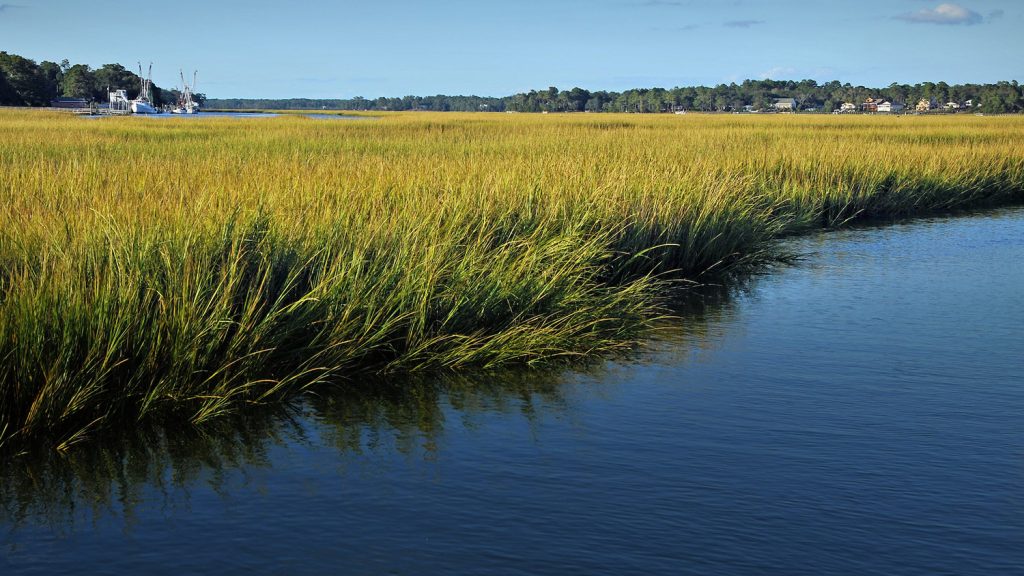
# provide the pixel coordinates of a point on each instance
(184, 269)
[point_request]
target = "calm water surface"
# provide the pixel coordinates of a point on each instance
(314, 115)
(859, 413)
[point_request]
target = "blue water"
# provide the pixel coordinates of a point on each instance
(317, 116)
(191, 116)
(326, 116)
(857, 413)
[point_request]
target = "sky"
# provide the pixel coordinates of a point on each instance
(342, 49)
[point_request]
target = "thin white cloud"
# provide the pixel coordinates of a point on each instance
(947, 14)
(683, 28)
(790, 73)
(778, 72)
(742, 23)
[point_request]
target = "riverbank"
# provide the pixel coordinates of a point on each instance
(182, 271)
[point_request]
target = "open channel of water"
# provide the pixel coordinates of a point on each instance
(314, 115)
(857, 413)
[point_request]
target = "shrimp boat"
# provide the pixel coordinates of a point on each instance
(142, 104)
(186, 104)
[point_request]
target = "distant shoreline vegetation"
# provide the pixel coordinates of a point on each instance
(750, 95)
(23, 82)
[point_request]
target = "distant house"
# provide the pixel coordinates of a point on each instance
(924, 105)
(749, 108)
(952, 105)
(890, 107)
(785, 104)
(73, 103)
(969, 104)
(848, 108)
(870, 105)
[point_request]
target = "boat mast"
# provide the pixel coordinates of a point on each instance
(146, 83)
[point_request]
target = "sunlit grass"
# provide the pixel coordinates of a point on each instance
(183, 268)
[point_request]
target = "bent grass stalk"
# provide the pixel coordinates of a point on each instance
(179, 270)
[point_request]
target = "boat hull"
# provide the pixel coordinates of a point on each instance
(143, 108)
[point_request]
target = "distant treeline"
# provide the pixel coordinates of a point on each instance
(1002, 97)
(23, 82)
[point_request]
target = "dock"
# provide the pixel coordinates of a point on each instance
(100, 112)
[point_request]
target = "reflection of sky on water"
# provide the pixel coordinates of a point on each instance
(315, 116)
(858, 411)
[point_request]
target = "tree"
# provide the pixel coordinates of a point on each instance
(763, 102)
(8, 96)
(53, 77)
(577, 98)
(703, 101)
(25, 80)
(79, 82)
(115, 77)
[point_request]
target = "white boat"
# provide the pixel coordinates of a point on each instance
(118, 101)
(186, 104)
(142, 104)
(143, 107)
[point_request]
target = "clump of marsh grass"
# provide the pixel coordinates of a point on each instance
(171, 323)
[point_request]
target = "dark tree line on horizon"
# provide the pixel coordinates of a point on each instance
(998, 98)
(23, 82)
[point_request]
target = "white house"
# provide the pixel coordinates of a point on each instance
(785, 104)
(848, 108)
(890, 107)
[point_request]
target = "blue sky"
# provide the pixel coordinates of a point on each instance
(340, 49)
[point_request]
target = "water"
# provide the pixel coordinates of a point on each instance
(316, 116)
(326, 116)
(191, 116)
(859, 413)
